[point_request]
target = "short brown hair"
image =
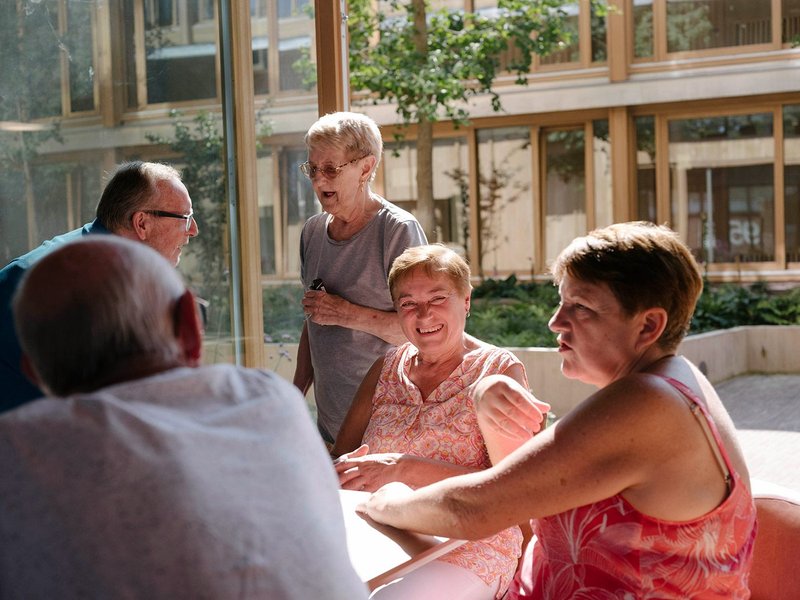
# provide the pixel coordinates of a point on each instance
(645, 266)
(434, 259)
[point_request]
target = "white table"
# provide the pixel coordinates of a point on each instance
(380, 553)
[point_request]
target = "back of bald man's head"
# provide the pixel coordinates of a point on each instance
(95, 310)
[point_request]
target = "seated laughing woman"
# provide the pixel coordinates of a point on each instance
(413, 419)
(641, 491)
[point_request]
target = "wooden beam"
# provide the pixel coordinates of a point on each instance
(331, 44)
(622, 150)
(238, 101)
(618, 52)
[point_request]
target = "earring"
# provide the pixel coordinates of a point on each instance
(361, 185)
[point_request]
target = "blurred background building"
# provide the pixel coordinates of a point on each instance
(684, 112)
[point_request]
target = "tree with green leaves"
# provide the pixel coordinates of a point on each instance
(431, 62)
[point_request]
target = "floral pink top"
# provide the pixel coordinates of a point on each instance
(611, 550)
(444, 426)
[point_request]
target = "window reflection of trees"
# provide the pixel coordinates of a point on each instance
(723, 182)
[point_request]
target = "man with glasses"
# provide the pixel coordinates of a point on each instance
(143, 201)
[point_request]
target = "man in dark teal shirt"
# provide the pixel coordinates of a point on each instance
(145, 202)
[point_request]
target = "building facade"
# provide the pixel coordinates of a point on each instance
(684, 112)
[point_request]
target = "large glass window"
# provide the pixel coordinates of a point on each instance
(598, 32)
(80, 58)
(570, 210)
(180, 58)
(642, 28)
(283, 31)
(601, 174)
(565, 189)
(790, 25)
(646, 208)
(505, 201)
(704, 24)
(701, 25)
(52, 172)
(47, 59)
(722, 186)
(791, 180)
(450, 172)
(301, 203)
(568, 52)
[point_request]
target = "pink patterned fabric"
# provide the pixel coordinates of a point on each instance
(611, 550)
(444, 427)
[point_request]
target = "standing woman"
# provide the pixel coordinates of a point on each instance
(641, 491)
(350, 248)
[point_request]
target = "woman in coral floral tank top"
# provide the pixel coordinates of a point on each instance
(413, 419)
(639, 492)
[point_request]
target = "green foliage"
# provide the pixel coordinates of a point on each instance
(283, 313)
(728, 305)
(689, 26)
(511, 313)
(430, 63)
(199, 144)
(511, 324)
(461, 56)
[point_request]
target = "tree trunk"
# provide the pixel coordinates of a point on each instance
(424, 212)
(425, 179)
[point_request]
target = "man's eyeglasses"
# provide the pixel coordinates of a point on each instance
(163, 213)
(329, 171)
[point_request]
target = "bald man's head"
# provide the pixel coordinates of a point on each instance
(98, 311)
(147, 202)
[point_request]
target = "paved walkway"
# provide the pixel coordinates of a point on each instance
(766, 411)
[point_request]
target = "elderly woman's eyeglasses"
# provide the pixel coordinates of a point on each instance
(163, 213)
(329, 171)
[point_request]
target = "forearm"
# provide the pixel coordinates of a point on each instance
(447, 508)
(382, 324)
(417, 472)
(304, 370)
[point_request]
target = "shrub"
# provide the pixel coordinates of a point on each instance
(510, 313)
(283, 313)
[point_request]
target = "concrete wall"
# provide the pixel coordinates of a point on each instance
(719, 354)
(756, 349)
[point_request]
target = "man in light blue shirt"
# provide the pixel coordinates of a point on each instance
(145, 202)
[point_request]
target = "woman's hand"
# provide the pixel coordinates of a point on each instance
(323, 308)
(377, 505)
(359, 470)
(506, 408)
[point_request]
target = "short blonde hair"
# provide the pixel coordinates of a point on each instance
(357, 134)
(434, 259)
